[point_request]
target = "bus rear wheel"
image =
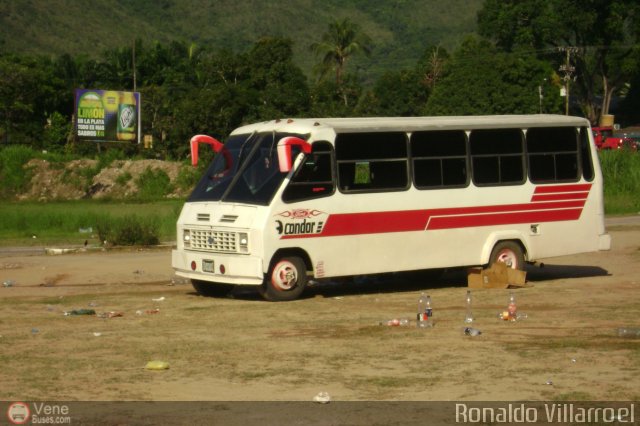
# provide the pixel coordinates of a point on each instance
(286, 280)
(508, 252)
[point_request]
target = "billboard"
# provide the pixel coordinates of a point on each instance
(107, 115)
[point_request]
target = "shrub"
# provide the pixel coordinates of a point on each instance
(123, 178)
(128, 230)
(108, 157)
(153, 184)
(188, 177)
(14, 177)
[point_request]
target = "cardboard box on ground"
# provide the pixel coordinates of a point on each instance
(498, 275)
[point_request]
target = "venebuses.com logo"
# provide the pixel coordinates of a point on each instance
(20, 413)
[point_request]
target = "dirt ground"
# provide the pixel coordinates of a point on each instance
(244, 349)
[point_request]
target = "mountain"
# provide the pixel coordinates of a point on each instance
(400, 29)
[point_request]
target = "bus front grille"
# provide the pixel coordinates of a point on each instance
(216, 241)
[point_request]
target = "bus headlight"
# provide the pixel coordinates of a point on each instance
(186, 238)
(243, 242)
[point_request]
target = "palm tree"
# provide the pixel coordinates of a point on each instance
(342, 40)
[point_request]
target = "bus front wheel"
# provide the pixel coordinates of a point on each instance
(286, 280)
(509, 253)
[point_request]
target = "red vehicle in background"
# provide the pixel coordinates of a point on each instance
(605, 139)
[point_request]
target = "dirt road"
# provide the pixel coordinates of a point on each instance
(245, 349)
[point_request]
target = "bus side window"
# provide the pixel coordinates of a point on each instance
(370, 162)
(314, 177)
(553, 154)
(497, 156)
(439, 159)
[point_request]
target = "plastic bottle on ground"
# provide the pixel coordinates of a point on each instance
(469, 316)
(420, 316)
(428, 311)
(511, 308)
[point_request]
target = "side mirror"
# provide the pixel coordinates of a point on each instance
(284, 151)
(197, 139)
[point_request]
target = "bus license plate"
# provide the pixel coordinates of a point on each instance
(207, 265)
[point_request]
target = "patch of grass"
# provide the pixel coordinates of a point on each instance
(14, 177)
(62, 221)
(153, 184)
(123, 178)
(621, 172)
(74, 178)
(188, 177)
(129, 230)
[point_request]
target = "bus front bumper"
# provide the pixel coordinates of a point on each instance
(219, 268)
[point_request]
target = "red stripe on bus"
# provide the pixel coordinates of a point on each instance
(449, 218)
(375, 222)
(560, 197)
(505, 208)
(451, 222)
(563, 188)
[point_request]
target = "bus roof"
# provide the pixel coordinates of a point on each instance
(381, 124)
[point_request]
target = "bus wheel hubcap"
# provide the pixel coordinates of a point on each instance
(508, 258)
(284, 276)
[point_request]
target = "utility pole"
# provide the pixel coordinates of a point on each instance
(568, 70)
(133, 61)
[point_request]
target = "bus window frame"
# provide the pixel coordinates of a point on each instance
(368, 188)
(522, 154)
(466, 157)
(292, 183)
(577, 152)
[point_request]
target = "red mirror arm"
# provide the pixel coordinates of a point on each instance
(216, 145)
(284, 151)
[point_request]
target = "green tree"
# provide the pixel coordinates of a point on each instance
(342, 40)
(280, 87)
(517, 24)
(56, 132)
(398, 93)
(431, 66)
(26, 92)
(405, 92)
(483, 80)
(606, 33)
(328, 100)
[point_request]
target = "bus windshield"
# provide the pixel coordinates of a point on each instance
(245, 171)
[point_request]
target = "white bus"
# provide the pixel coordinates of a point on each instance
(286, 200)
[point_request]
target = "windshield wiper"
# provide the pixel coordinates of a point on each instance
(240, 166)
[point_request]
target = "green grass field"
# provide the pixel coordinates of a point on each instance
(621, 172)
(74, 222)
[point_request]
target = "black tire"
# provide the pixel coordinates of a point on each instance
(286, 280)
(509, 252)
(209, 289)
